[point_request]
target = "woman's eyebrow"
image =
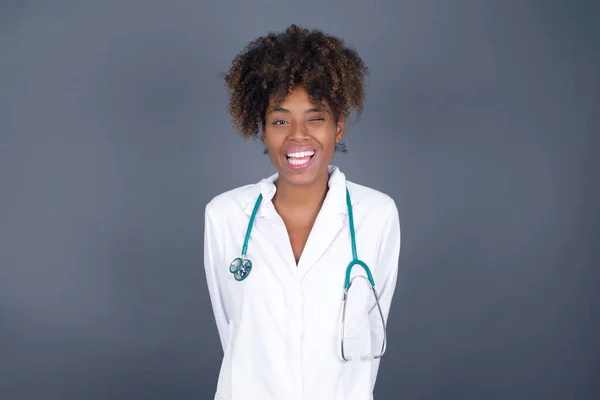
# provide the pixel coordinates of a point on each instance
(310, 110)
(319, 109)
(279, 109)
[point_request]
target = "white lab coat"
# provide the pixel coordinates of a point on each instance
(280, 327)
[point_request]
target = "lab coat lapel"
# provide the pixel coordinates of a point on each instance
(326, 228)
(328, 224)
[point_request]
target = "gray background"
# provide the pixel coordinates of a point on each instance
(481, 122)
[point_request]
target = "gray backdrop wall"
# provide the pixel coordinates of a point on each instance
(481, 121)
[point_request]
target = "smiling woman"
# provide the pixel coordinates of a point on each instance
(301, 138)
(284, 308)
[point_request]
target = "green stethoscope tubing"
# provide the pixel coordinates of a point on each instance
(355, 259)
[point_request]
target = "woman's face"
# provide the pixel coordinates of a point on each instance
(300, 137)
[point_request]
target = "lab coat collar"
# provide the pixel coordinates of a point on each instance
(335, 201)
(330, 220)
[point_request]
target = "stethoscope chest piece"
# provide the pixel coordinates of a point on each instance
(240, 268)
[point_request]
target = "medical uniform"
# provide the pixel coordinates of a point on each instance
(280, 327)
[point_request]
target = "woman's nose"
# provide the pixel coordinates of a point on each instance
(298, 131)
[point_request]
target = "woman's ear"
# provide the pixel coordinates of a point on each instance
(339, 133)
(262, 140)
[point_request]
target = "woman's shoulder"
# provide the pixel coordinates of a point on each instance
(373, 205)
(370, 198)
(233, 200)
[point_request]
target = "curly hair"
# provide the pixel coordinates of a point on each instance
(269, 68)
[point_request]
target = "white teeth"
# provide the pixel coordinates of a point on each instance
(301, 154)
(298, 162)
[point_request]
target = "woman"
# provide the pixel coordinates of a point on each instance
(280, 318)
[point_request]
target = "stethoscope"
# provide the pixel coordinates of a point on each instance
(242, 266)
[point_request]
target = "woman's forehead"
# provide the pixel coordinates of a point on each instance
(298, 98)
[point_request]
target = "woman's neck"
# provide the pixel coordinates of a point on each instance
(301, 198)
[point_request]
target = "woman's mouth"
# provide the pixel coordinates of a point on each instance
(300, 159)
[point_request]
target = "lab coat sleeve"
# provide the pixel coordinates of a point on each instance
(213, 263)
(385, 276)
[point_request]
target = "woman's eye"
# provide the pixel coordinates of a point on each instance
(317, 119)
(280, 122)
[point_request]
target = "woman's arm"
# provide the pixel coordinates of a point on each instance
(213, 263)
(385, 275)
